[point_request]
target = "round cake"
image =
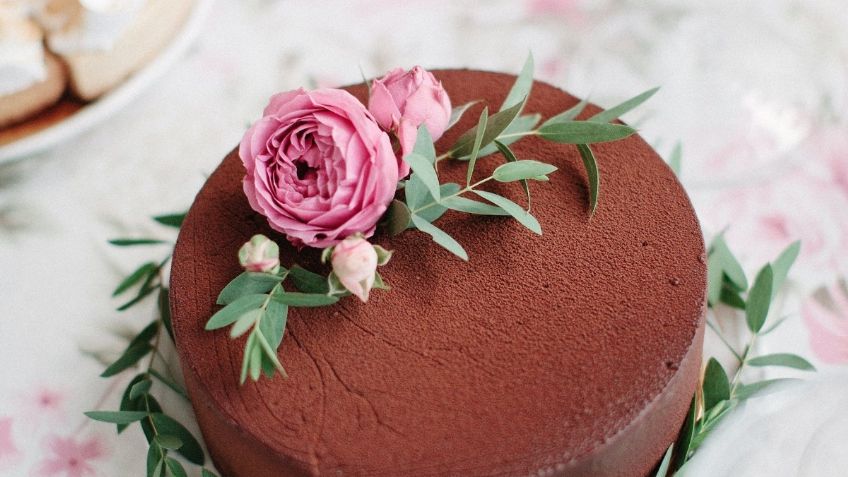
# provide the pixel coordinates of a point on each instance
(576, 353)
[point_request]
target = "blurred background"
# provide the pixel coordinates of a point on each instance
(755, 92)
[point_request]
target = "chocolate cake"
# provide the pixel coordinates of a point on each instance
(576, 353)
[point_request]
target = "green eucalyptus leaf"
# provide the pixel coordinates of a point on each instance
(306, 281)
(520, 127)
(298, 299)
(207, 473)
(593, 175)
(623, 108)
(117, 417)
(255, 365)
(475, 148)
(397, 217)
(461, 204)
(146, 334)
(129, 358)
(232, 312)
(729, 264)
(424, 171)
(433, 212)
(154, 459)
(175, 467)
(759, 300)
(457, 112)
(494, 127)
(584, 132)
(168, 442)
(522, 86)
(684, 439)
(146, 290)
(440, 237)
(510, 157)
(424, 146)
(159, 470)
(521, 170)
(128, 404)
(513, 209)
(675, 161)
(245, 322)
(781, 266)
(140, 388)
(190, 449)
(165, 311)
(169, 382)
(759, 388)
(716, 384)
(786, 360)
(134, 242)
(270, 353)
(666, 463)
(248, 352)
(567, 115)
(141, 273)
(732, 298)
(273, 324)
(248, 283)
(171, 220)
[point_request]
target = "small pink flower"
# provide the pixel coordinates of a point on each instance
(318, 167)
(8, 450)
(355, 262)
(826, 318)
(70, 458)
(401, 101)
(260, 254)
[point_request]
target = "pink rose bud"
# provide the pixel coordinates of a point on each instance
(260, 254)
(402, 101)
(354, 262)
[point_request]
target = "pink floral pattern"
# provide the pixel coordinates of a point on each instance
(826, 318)
(8, 449)
(70, 457)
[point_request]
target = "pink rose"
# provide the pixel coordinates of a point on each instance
(260, 255)
(318, 167)
(354, 262)
(402, 101)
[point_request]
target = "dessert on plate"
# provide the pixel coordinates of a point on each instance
(574, 353)
(81, 49)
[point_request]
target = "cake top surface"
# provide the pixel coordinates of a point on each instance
(536, 351)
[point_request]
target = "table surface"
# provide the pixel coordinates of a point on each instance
(754, 91)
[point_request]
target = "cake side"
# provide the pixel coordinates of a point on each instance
(492, 367)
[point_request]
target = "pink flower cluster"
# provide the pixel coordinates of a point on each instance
(320, 165)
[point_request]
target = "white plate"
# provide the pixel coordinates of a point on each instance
(96, 112)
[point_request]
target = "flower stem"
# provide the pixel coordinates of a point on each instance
(458, 193)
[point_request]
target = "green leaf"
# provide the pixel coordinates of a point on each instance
(248, 283)
(787, 360)
(522, 86)
(245, 322)
(207, 473)
(475, 148)
(130, 357)
(270, 353)
(746, 391)
(424, 171)
(433, 212)
(729, 264)
(232, 312)
(732, 298)
(171, 220)
(440, 237)
(510, 157)
(684, 440)
(159, 470)
(513, 209)
(584, 132)
(397, 217)
(495, 126)
(140, 388)
(255, 365)
(781, 266)
(457, 112)
(248, 352)
(666, 463)
(128, 404)
(133, 242)
(165, 311)
(623, 108)
(424, 145)
(306, 281)
(145, 335)
(675, 161)
(170, 383)
(716, 384)
(593, 175)
(138, 275)
(304, 299)
(567, 115)
(154, 460)
(117, 417)
(759, 300)
(521, 170)
(190, 449)
(142, 294)
(273, 323)
(519, 128)
(168, 442)
(175, 467)
(461, 204)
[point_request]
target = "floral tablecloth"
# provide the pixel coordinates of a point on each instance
(756, 93)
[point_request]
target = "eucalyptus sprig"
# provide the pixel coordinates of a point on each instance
(138, 405)
(720, 394)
